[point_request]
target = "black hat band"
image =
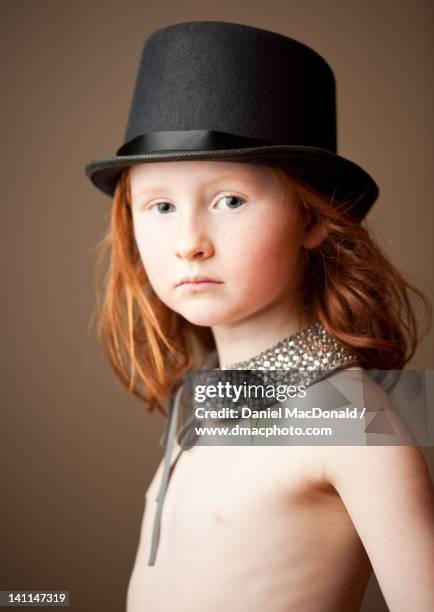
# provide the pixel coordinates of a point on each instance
(188, 140)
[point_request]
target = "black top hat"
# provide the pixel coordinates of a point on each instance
(212, 90)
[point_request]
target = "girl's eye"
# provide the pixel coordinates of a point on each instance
(161, 206)
(232, 201)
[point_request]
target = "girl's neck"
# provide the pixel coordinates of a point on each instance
(242, 341)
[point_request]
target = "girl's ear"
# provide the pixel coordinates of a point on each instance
(314, 235)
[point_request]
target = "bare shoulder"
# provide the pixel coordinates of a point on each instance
(388, 454)
(377, 426)
(349, 465)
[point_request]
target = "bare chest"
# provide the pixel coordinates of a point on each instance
(249, 514)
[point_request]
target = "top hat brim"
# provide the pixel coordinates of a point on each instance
(324, 170)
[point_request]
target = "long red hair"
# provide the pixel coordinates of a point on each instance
(350, 286)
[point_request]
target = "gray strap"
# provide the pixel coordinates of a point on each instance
(168, 440)
(163, 439)
(173, 419)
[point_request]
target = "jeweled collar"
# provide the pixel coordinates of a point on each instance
(312, 348)
(301, 358)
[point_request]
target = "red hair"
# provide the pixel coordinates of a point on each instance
(350, 286)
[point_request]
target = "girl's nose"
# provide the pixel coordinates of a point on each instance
(192, 239)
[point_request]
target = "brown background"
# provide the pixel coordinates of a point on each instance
(77, 453)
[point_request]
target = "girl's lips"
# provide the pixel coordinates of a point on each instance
(197, 278)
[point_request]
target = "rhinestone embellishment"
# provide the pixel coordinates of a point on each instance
(308, 348)
(304, 353)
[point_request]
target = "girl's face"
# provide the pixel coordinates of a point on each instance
(231, 222)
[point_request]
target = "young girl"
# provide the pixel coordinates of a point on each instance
(237, 243)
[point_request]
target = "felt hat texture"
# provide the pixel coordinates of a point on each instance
(214, 90)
